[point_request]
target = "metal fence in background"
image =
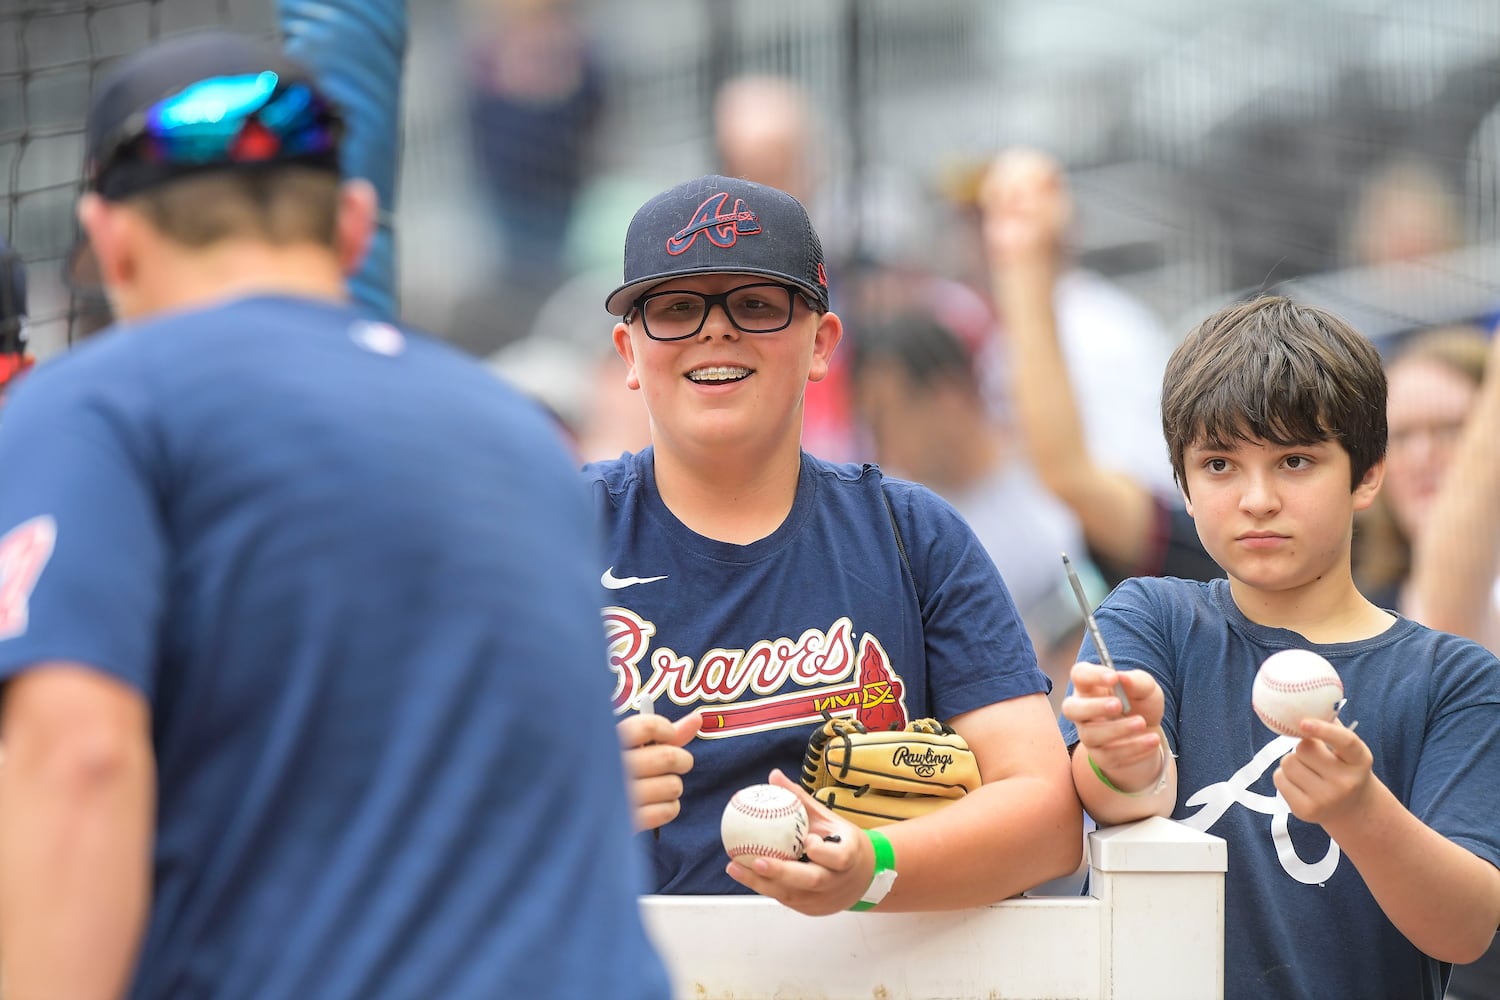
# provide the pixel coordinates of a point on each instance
(50, 55)
(1211, 149)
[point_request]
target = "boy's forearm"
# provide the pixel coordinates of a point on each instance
(1445, 899)
(1109, 807)
(74, 875)
(999, 841)
(1042, 387)
(1022, 827)
(1114, 511)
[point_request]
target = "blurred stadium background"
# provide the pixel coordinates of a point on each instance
(1212, 148)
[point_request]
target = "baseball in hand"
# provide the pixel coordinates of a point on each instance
(1293, 685)
(763, 821)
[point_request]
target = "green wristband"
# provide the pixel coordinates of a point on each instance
(880, 882)
(1157, 785)
(1103, 777)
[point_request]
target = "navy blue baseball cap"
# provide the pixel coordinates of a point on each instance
(720, 225)
(213, 98)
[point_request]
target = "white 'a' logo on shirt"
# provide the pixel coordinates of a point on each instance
(1218, 797)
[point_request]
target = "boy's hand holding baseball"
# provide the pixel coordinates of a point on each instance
(1328, 777)
(836, 872)
(1126, 746)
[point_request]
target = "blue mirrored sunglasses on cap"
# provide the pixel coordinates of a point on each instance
(249, 118)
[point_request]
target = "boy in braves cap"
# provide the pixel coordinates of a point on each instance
(748, 585)
(274, 579)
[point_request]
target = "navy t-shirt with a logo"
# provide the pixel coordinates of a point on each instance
(353, 577)
(820, 614)
(1299, 920)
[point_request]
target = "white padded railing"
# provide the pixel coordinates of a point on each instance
(1152, 928)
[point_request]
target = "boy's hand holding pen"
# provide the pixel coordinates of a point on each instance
(1093, 628)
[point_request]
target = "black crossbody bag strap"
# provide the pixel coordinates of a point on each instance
(895, 528)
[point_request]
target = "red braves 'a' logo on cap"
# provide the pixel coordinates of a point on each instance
(720, 227)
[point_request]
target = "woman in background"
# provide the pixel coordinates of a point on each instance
(1434, 380)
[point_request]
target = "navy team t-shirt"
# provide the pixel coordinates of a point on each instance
(352, 576)
(820, 615)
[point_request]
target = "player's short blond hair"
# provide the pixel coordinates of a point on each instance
(281, 206)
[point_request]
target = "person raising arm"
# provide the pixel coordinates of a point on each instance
(1131, 528)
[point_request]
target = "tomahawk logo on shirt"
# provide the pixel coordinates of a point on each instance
(837, 672)
(24, 552)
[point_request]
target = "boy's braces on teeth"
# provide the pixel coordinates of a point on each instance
(722, 373)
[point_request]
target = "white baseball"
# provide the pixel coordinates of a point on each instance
(765, 821)
(1293, 685)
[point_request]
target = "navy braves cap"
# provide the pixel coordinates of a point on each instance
(132, 86)
(720, 225)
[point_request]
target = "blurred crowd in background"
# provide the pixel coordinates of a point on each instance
(1210, 151)
(1256, 143)
(1348, 151)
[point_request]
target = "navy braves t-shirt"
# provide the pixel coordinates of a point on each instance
(1299, 921)
(352, 575)
(820, 615)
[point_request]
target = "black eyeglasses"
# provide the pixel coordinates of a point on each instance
(677, 314)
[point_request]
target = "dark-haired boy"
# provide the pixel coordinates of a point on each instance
(1362, 864)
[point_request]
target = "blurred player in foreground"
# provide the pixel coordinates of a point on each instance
(1363, 863)
(748, 585)
(287, 595)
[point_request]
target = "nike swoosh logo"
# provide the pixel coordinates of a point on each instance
(612, 582)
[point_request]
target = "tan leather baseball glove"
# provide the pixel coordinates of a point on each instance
(874, 778)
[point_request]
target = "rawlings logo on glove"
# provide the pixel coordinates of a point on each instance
(876, 778)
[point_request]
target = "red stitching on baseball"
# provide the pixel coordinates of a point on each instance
(1277, 684)
(760, 813)
(751, 808)
(1274, 724)
(759, 850)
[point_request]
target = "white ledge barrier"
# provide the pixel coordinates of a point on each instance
(1152, 929)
